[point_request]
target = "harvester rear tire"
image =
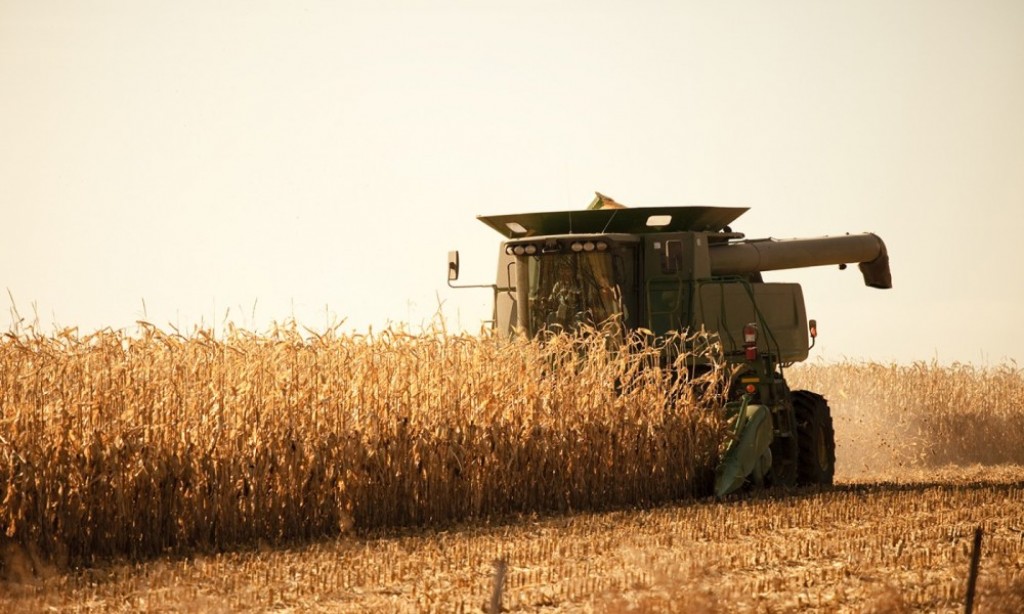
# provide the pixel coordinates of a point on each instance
(816, 439)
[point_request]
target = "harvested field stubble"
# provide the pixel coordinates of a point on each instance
(839, 550)
(118, 445)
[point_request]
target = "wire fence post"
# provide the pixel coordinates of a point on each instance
(500, 567)
(972, 580)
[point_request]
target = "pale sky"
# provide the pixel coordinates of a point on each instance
(197, 162)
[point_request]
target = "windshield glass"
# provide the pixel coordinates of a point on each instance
(568, 290)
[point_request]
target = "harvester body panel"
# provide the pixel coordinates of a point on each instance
(778, 308)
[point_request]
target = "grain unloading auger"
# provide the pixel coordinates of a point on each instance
(682, 268)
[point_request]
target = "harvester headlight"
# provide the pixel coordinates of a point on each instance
(588, 246)
(508, 250)
(518, 250)
(577, 247)
(602, 246)
(531, 249)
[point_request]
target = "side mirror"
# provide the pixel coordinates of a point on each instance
(813, 326)
(453, 266)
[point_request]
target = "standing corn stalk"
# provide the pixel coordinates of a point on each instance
(138, 445)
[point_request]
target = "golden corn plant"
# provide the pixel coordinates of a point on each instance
(117, 444)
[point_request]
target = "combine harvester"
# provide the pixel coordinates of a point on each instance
(682, 268)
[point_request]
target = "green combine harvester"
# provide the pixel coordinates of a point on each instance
(669, 269)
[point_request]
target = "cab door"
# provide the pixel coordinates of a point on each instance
(667, 291)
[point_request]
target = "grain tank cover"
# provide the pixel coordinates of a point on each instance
(638, 220)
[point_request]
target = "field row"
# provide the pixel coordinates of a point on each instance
(844, 550)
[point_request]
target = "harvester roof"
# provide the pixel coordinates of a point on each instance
(639, 220)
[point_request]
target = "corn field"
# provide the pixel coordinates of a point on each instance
(137, 445)
(920, 415)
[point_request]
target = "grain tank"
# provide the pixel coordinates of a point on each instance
(684, 268)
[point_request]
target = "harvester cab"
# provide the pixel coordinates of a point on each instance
(669, 269)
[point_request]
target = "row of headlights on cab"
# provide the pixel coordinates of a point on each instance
(577, 246)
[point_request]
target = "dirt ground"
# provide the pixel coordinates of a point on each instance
(867, 545)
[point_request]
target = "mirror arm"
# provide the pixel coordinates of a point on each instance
(492, 286)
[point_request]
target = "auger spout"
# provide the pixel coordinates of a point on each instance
(744, 258)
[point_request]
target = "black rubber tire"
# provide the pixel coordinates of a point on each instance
(785, 458)
(816, 464)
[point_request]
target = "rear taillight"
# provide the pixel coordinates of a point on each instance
(750, 341)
